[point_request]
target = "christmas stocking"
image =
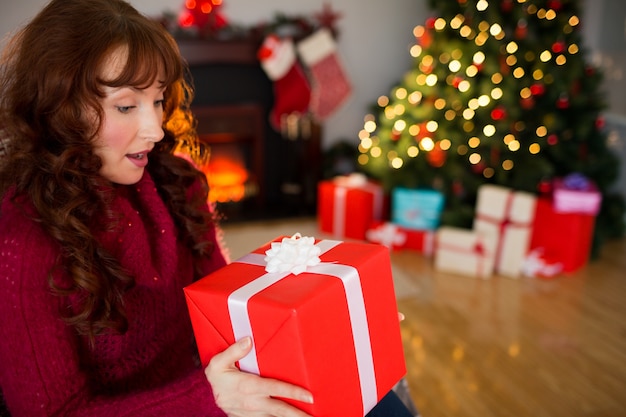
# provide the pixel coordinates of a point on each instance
(329, 81)
(292, 92)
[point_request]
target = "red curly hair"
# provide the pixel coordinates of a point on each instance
(48, 78)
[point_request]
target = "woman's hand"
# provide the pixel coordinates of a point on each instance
(241, 394)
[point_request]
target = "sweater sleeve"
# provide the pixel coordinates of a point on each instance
(40, 373)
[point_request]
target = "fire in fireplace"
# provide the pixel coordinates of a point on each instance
(229, 179)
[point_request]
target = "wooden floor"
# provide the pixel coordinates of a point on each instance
(523, 347)
(503, 347)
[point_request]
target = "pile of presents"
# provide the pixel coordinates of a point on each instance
(514, 233)
(323, 314)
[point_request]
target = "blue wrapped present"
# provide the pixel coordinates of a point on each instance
(416, 208)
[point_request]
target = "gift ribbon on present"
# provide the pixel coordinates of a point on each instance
(504, 224)
(429, 242)
(342, 185)
(387, 234)
(349, 276)
(477, 249)
(535, 265)
(501, 224)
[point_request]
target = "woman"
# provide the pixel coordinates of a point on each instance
(101, 226)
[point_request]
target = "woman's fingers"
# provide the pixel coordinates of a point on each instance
(276, 388)
(232, 354)
(242, 394)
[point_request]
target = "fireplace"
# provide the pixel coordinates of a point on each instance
(254, 172)
(236, 168)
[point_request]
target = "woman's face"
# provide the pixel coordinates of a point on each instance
(131, 125)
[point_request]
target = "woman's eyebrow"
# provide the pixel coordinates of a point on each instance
(114, 90)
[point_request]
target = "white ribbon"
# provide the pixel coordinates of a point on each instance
(429, 242)
(292, 254)
(240, 320)
(535, 266)
(387, 234)
(339, 211)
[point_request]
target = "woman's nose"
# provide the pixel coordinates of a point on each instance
(152, 126)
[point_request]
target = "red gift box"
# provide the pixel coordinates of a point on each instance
(563, 238)
(338, 338)
(347, 206)
(397, 237)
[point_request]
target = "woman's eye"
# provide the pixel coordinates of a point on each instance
(159, 103)
(124, 109)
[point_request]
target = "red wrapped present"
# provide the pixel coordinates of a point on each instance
(507, 216)
(328, 322)
(397, 237)
(562, 238)
(464, 252)
(347, 206)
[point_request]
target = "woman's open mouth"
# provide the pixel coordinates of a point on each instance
(140, 159)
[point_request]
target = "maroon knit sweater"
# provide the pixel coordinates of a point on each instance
(46, 370)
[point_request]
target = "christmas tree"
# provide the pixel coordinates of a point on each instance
(501, 92)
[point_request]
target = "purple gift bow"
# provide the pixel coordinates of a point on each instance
(576, 181)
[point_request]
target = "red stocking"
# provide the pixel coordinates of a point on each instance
(330, 83)
(291, 87)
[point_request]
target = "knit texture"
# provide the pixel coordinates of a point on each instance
(151, 370)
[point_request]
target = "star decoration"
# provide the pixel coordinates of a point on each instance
(328, 18)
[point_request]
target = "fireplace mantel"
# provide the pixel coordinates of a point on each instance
(212, 51)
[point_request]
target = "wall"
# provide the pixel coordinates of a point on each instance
(375, 36)
(605, 35)
(373, 45)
